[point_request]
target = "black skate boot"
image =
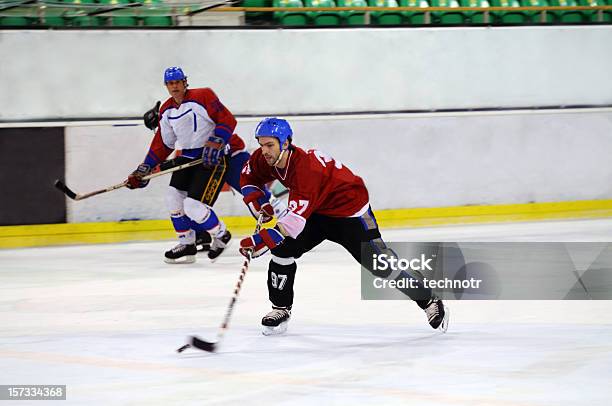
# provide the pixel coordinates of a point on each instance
(437, 314)
(181, 254)
(276, 321)
(219, 245)
(203, 241)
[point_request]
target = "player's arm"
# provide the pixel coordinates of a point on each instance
(252, 187)
(303, 202)
(290, 225)
(253, 178)
(158, 152)
(225, 123)
(255, 174)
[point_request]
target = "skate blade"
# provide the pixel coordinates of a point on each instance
(213, 260)
(273, 331)
(444, 325)
(187, 259)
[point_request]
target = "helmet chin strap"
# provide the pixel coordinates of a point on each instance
(280, 156)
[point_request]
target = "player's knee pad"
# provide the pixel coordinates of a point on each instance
(195, 210)
(281, 275)
(174, 201)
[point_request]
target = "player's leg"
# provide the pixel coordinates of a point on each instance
(202, 194)
(360, 235)
(185, 251)
(281, 275)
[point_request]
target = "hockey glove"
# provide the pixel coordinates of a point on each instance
(258, 244)
(174, 162)
(213, 151)
(258, 202)
(134, 181)
(151, 117)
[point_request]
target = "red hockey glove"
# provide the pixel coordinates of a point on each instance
(134, 181)
(257, 202)
(258, 244)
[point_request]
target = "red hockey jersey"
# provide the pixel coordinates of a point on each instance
(317, 183)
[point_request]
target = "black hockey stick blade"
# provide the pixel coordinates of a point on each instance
(61, 186)
(195, 342)
(203, 345)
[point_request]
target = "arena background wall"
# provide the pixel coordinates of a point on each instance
(68, 74)
(407, 161)
(483, 162)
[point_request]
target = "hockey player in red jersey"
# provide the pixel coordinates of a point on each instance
(327, 201)
(196, 124)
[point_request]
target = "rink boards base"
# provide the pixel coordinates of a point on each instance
(149, 230)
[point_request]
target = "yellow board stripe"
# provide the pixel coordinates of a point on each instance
(147, 230)
(438, 216)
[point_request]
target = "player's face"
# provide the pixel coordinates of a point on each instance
(176, 89)
(270, 149)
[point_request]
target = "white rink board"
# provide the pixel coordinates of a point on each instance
(105, 320)
(96, 73)
(406, 160)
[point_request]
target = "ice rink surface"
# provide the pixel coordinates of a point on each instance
(106, 320)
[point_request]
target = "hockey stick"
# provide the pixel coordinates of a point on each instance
(77, 196)
(203, 345)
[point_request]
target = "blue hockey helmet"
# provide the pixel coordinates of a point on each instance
(274, 127)
(174, 73)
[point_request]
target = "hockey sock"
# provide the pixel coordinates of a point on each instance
(281, 275)
(182, 226)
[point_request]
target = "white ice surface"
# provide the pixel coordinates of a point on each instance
(106, 320)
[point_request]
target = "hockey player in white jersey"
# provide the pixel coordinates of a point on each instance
(196, 124)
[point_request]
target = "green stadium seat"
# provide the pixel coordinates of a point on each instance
(568, 17)
(352, 17)
(325, 18)
(594, 15)
(53, 16)
(120, 18)
(476, 17)
(15, 21)
(290, 17)
(254, 16)
(509, 17)
(156, 13)
(536, 16)
(415, 17)
(386, 17)
(447, 17)
(78, 16)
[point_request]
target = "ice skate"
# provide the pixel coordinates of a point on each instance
(203, 241)
(276, 321)
(219, 245)
(437, 314)
(181, 254)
